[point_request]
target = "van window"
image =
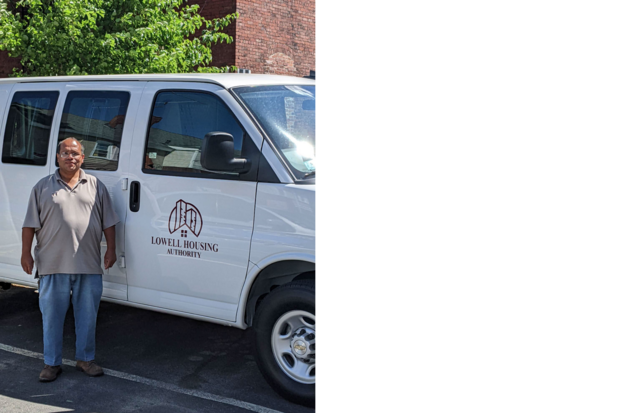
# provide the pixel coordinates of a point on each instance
(96, 119)
(28, 128)
(287, 115)
(179, 122)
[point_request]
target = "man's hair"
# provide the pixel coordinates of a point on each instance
(72, 138)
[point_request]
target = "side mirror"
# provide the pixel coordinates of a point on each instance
(217, 154)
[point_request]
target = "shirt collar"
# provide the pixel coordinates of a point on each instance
(82, 175)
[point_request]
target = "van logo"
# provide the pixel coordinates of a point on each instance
(186, 215)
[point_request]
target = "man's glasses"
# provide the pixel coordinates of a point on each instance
(71, 154)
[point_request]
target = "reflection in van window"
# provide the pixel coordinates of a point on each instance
(28, 127)
(96, 119)
(179, 122)
(287, 114)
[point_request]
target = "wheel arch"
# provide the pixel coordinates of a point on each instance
(265, 278)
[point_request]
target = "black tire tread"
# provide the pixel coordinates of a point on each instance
(283, 385)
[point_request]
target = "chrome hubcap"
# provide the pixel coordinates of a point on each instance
(300, 348)
(293, 342)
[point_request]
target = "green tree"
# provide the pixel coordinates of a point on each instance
(79, 37)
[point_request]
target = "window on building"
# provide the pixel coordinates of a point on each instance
(28, 127)
(96, 119)
(179, 122)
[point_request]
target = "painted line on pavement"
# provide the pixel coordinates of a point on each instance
(155, 383)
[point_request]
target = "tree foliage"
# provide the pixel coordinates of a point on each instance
(78, 37)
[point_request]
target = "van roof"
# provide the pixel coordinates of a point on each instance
(226, 80)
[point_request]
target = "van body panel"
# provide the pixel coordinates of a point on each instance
(8, 232)
(5, 90)
(15, 274)
(225, 80)
(16, 182)
(284, 222)
(184, 303)
(177, 313)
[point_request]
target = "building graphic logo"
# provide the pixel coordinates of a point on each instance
(185, 215)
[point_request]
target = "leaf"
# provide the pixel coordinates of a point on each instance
(109, 36)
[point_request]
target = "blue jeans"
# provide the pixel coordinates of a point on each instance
(54, 295)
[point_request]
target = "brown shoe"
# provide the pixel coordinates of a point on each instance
(89, 367)
(50, 373)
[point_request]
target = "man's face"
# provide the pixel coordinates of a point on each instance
(70, 157)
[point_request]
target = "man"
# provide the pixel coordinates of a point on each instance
(68, 210)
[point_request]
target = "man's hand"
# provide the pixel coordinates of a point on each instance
(27, 263)
(108, 259)
(110, 255)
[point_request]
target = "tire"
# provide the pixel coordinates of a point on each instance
(286, 317)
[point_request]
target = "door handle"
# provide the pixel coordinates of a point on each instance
(134, 196)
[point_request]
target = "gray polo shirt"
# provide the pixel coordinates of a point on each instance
(69, 223)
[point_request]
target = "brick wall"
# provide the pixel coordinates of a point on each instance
(223, 54)
(276, 36)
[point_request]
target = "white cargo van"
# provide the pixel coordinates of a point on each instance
(213, 177)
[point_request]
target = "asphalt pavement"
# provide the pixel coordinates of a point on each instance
(153, 362)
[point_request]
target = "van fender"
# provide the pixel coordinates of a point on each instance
(299, 262)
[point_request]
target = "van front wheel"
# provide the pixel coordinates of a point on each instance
(285, 336)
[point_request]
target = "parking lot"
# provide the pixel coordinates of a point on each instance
(153, 362)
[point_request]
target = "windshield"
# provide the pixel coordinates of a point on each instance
(286, 113)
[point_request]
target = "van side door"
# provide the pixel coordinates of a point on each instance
(101, 116)
(188, 231)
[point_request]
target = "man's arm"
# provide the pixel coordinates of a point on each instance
(110, 255)
(27, 261)
(32, 222)
(109, 219)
